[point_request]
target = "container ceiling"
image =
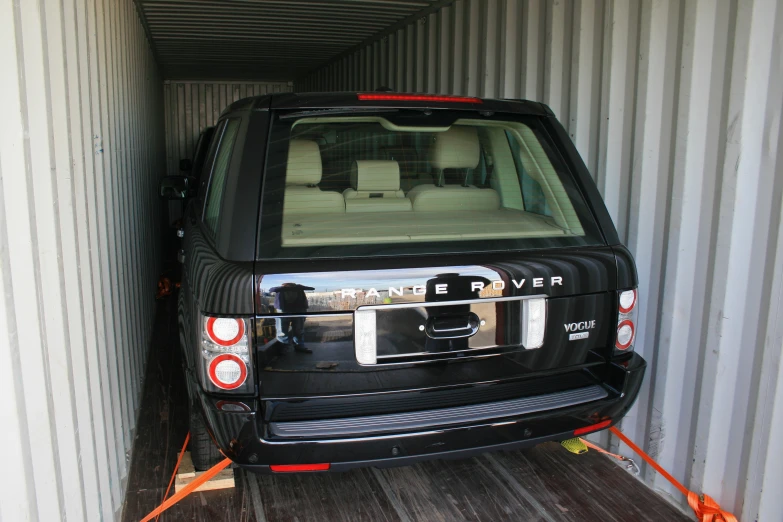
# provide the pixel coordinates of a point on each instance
(266, 39)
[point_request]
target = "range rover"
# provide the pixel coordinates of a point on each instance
(372, 279)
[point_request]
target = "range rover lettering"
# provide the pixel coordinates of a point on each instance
(372, 279)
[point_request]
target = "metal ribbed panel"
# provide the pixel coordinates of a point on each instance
(264, 39)
(81, 149)
(193, 106)
(676, 109)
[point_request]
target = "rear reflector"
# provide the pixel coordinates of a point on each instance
(595, 427)
(233, 407)
(296, 468)
(418, 97)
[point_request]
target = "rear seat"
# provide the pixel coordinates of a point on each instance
(407, 157)
(376, 188)
(457, 148)
(453, 197)
(303, 174)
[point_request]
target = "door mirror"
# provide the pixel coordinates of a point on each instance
(185, 165)
(177, 187)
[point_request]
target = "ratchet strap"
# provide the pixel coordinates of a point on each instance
(630, 464)
(176, 468)
(187, 490)
(705, 508)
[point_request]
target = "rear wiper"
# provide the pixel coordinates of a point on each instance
(339, 110)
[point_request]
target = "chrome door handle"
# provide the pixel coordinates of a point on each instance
(452, 327)
(455, 329)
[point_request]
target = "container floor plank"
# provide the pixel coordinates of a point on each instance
(545, 483)
(336, 497)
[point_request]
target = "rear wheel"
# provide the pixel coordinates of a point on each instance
(203, 451)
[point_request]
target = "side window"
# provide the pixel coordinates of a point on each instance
(217, 183)
(209, 160)
(532, 193)
(200, 154)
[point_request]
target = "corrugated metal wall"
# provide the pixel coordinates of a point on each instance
(676, 109)
(193, 106)
(81, 151)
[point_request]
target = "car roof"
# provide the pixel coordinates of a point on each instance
(326, 100)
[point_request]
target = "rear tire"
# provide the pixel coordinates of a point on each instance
(203, 451)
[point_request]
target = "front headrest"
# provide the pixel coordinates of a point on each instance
(304, 163)
(457, 148)
(375, 175)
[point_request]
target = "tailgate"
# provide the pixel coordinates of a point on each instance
(381, 330)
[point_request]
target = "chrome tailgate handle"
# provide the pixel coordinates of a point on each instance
(452, 327)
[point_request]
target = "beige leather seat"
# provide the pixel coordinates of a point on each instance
(375, 188)
(457, 148)
(303, 173)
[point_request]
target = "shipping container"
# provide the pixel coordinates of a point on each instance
(676, 107)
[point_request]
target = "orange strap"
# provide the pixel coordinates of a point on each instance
(599, 449)
(630, 464)
(184, 492)
(164, 287)
(174, 473)
(706, 509)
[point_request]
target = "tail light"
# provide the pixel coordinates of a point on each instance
(225, 353)
(626, 321)
(227, 371)
(437, 98)
(225, 331)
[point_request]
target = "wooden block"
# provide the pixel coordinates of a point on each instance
(187, 473)
(186, 469)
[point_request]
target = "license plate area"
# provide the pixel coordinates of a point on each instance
(425, 331)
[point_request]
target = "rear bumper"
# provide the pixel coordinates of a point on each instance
(252, 445)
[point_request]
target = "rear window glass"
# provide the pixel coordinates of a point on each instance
(410, 182)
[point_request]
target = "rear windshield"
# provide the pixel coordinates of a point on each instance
(406, 182)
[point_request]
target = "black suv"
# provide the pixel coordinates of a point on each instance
(372, 279)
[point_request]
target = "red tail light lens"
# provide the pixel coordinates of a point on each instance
(297, 468)
(625, 331)
(417, 97)
(227, 371)
(626, 320)
(595, 427)
(225, 331)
